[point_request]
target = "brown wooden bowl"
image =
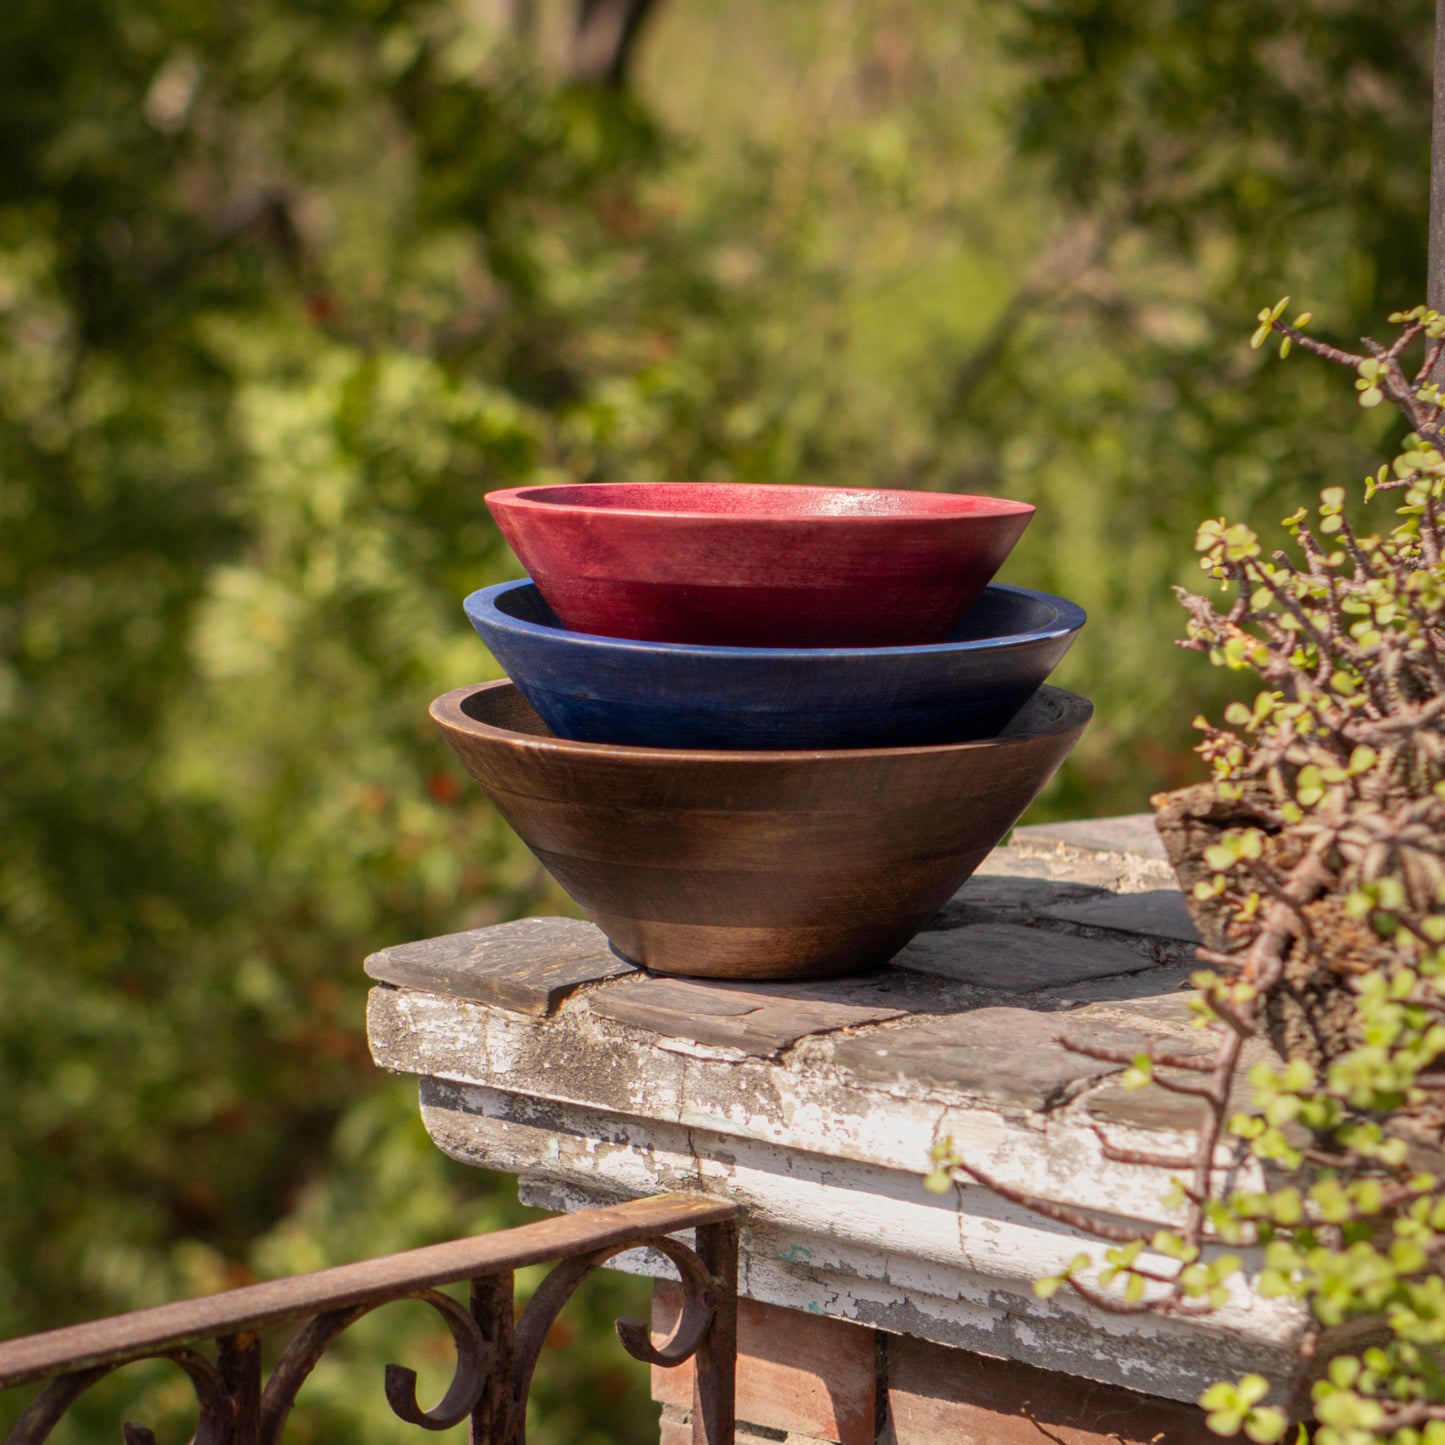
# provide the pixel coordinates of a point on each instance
(756, 864)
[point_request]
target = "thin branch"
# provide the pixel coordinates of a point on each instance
(1042, 1429)
(1200, 1063)
(1113, 1306)
(1179, 1086)
(1320, 348)
(1060, 1213)
(1143, 1157)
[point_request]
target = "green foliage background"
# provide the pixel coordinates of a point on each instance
(286, 286)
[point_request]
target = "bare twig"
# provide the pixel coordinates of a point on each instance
(1078, 1219)
(1038, 1425)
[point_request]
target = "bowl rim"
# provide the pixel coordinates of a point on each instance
(446, 712)
(483, 603)
(532, 499)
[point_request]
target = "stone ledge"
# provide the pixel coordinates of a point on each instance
(1130, 835)
(530, 966)
(815, 1105)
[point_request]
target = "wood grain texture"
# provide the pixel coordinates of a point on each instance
(738, 565)
(756, 864)
(937, 1394)
(810, 1375)
(681, 695)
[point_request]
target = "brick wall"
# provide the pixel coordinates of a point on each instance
(807, 1379)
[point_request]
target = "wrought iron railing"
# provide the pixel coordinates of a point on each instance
(496, 1350)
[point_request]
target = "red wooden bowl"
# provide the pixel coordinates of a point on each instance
(756, 864)
(737, 565)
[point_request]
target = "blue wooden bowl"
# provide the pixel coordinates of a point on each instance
(681, 695)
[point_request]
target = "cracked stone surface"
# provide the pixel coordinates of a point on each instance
(1019, 899)
(815, 1105)
(1013, 959)
(758, 1018)
(530, 965)
(1132, 834)
(1006, 1054)
(1159, 913)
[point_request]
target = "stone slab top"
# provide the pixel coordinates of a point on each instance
(531, 965)
(1129, 835)
(1070, 934)
(1003, 1027)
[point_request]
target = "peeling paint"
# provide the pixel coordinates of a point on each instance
(825, 1141)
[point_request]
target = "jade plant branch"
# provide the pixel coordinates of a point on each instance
(1314, 861)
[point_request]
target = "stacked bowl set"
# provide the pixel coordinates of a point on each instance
(762, 732)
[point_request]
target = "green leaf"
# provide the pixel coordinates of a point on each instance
(1266, 1425)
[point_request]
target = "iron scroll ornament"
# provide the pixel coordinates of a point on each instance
(213, 1426)
(496, 1360)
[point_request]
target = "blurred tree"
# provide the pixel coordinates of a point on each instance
(284, 288)
(1209, 159)
(604, 37)
(282, 292)
(1020, 248)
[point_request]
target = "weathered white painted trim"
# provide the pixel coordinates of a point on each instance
(828, 1157)
(864, 1242)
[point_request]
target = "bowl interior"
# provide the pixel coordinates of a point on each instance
(1001, 614)
(505, 708)
(742, 499)
(1004, 613)
(786, 864)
